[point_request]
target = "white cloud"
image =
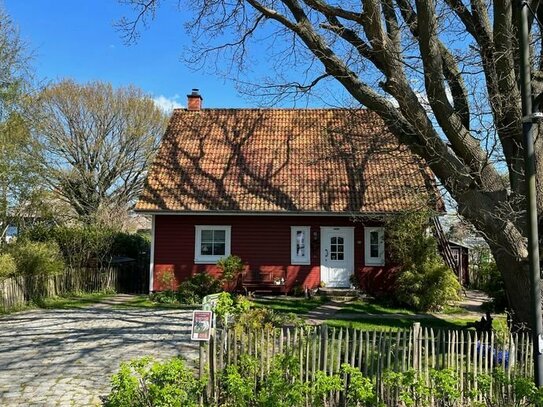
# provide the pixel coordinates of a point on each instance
(167, 104)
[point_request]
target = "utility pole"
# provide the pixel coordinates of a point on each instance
(528, 118)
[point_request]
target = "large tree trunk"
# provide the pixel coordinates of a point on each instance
(517, 283)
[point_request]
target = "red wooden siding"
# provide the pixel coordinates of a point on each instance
(263, 243)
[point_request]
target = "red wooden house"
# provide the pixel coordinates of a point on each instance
(299, 194)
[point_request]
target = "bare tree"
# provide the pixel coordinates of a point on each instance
(96, 144)
(442, 74)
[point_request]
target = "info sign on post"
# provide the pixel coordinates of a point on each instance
(201, 325)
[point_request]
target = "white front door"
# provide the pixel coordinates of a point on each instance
(337, 256)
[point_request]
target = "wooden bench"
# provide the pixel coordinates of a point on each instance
(263, 281)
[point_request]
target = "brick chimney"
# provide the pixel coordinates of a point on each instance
(194, 100)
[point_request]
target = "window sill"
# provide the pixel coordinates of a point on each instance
(208, 260)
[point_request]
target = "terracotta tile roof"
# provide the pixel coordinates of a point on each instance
(283, 160)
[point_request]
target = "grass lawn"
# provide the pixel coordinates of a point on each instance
(395, 324)
(73, 301)
(372, 307)
(143, 301)
(379, 308)
(296, 305)
(429, 321)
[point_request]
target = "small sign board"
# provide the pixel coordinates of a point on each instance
(201, 325)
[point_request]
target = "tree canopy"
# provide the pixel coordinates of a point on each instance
(20, 189)
(442, 74)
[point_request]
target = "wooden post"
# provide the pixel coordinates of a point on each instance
(324, 347)
(202, 361)
(416, 345)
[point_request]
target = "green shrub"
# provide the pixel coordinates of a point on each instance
(193, 290)
(360, 389)
(493, 286)
(496, 387)
(282, 386)
(230, 308)
(224, 307)
(164, 297)
(37, 258)
(89, 245)
(239, 383)
(132, 245)
(427, 287)
(258, 318)
(8, 267)
(424, 282)
(231, 267)
(81, 246)
(144, 382)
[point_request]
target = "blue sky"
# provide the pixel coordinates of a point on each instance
(76, 39)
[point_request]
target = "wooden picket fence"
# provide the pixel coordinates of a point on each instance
(17, 291)
(323, 348)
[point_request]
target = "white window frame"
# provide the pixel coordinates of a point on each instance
(368, 259)
(294, 258)
(199, 258)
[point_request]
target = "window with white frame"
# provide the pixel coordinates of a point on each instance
(300, 249)
(374, 245)
(211, 244)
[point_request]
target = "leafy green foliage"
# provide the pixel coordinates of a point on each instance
(225, 306)
(493, 285)
(282, 386)
(132, 245)
(445, 387)
(524, 391)
(257, 318)
(144, 382)
(239, 383)
(21, 187)
(193, 290)
(409, 386)
(360, 389)
(231, 267)
(37, 258)
(425, 282)
(427, 287)
(8, 267)
(324, 385)
(228, 306)
(89, 245)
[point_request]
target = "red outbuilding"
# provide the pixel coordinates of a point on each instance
(300, 195)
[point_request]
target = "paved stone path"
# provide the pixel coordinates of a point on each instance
(66, 357)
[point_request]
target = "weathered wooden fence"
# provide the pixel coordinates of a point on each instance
(17, 291)
(322, 348)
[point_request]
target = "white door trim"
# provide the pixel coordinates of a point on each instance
(348, 265)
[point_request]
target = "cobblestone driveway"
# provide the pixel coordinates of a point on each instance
(65, 357)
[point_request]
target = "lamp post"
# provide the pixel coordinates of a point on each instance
(528, 118)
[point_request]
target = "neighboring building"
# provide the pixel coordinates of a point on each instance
(460, 254)
(299, 194)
